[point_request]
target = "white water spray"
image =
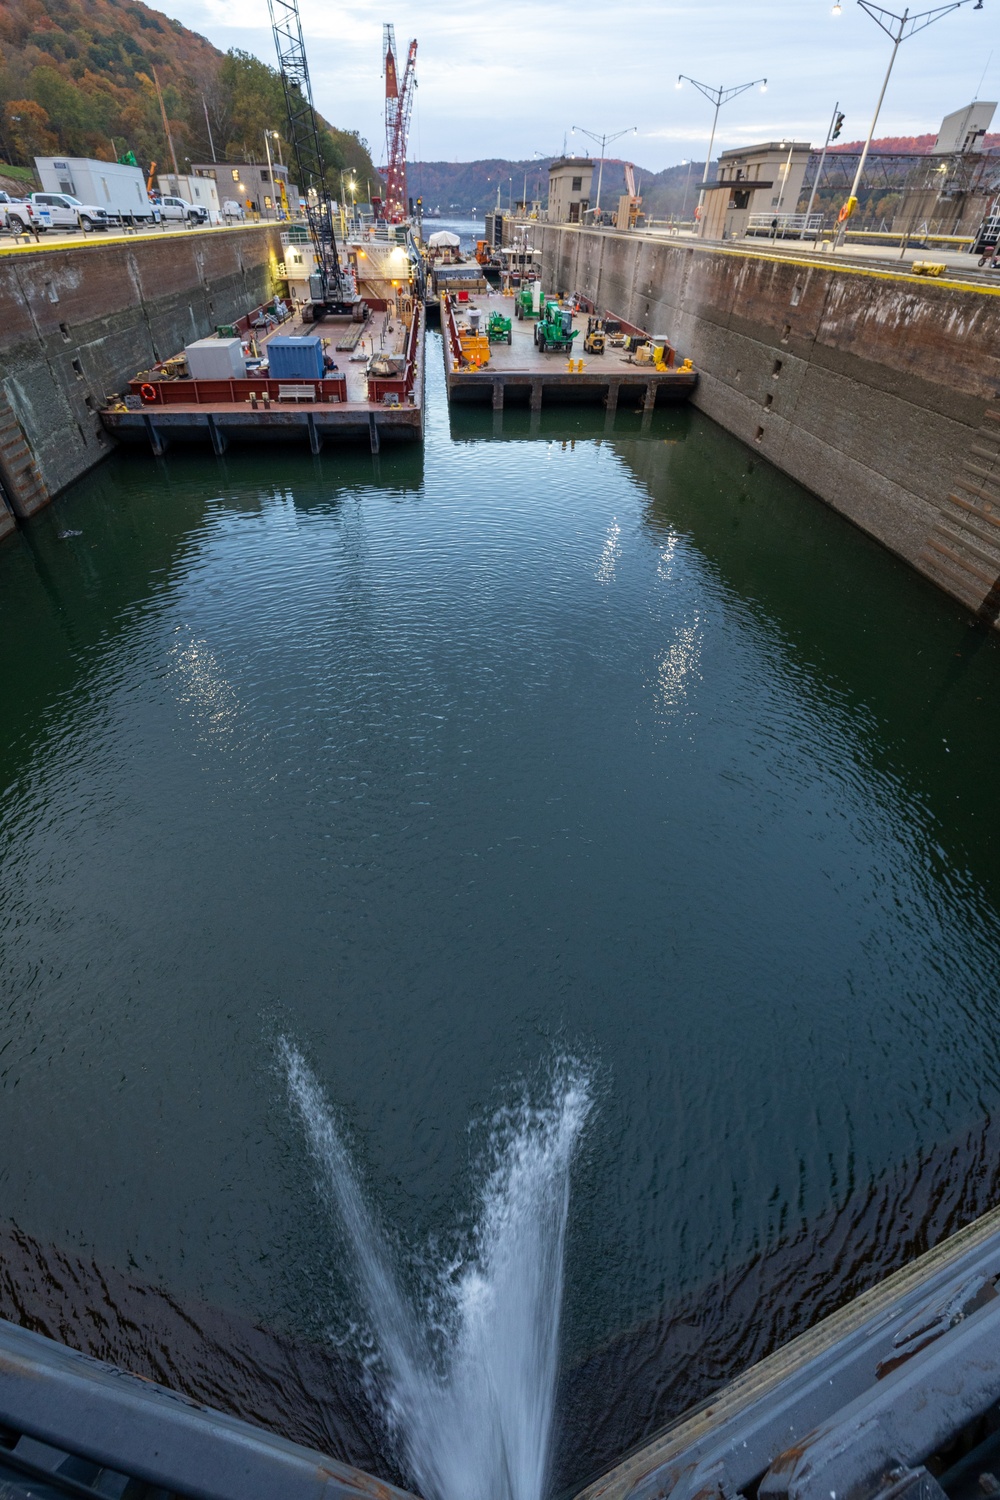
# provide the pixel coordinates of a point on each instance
(469, 1378)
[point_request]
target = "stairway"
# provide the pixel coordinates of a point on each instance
(962, 552)
(22, 482)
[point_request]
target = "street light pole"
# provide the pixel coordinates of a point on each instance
(822, 159)
(604, 141)
(270, 166)
(902, 27)
(718, 97)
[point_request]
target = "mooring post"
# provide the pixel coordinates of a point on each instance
(218, 438)
(498, 395)
(650, 400)
(536, 395)
(611, 399)
(315, 441)
(156, 442)
(373, 431)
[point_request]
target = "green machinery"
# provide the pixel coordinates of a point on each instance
(529, 301)
(555, 330)
(498, 329)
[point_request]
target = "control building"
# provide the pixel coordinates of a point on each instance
(754, 180)
(256, 188)
(569, 189)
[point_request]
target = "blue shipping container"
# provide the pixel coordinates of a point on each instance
(295, 358)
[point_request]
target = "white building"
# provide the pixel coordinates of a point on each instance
(765, 179)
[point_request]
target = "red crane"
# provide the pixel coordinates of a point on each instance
(398, 103)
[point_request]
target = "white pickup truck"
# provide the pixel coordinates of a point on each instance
(19, 216)
(66, 212)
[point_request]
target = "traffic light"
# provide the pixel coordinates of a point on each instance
(838, 127)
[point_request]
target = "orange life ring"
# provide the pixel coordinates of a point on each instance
(845, 213)
(147, 392)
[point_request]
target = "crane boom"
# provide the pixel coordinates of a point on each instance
(307, 150)
(398, 104)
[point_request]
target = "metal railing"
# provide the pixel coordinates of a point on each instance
(783, 225)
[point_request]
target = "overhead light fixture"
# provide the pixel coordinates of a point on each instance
(837, 8)
(679, 84)
(763, 87)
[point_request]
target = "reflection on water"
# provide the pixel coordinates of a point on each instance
(570, 737)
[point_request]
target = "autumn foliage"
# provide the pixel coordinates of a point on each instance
(79, 76)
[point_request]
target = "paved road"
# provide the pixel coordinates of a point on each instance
(53, 240)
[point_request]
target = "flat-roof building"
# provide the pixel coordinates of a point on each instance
(254, 186)
(765, 179)
(569, 189)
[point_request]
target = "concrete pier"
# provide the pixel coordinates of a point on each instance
(874, 387)
(80, 319)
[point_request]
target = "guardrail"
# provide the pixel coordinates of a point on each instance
(211, 392)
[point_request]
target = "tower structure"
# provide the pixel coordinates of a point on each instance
(398, 104)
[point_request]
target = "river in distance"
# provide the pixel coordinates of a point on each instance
(563, 798)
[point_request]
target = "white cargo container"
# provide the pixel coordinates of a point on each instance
(119, 190)
(216, 359)
(203, 192)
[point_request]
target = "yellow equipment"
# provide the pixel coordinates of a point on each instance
(595, 338)
(475, 347)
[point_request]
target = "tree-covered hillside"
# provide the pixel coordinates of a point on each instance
(79, 76)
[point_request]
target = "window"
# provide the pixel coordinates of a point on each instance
(236, 174)
(265, 175)
(267, 203)
(577, 184)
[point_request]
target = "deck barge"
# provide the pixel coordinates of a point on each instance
(351, 402)
(519, 373)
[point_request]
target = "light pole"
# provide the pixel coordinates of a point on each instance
(687, 184)
(897, 29)
(834, 129)
(270, 168)
(718, 97)
(604, 141)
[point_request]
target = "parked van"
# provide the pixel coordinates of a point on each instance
(109, 185)
(232, 211)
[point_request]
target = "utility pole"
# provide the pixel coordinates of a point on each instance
(166, 128)
(898, 31)
(718, 97)
(208, 127)
(833, 130)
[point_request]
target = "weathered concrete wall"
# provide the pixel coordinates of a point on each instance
(877, 390)
(78, 322)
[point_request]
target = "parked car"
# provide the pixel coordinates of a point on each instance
(66, 212)
(232, 211)
(20, 217)
(180, 208)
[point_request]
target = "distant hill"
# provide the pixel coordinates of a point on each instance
(922, 145)
(471, 186)
(77, 76)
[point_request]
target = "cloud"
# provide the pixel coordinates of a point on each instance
(486, 75)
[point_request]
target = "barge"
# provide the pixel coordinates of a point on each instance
(634, 369)
(374, 392)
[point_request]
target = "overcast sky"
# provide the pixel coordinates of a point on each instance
(508, 80)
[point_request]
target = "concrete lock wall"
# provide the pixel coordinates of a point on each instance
(78, 322)
(877, 390)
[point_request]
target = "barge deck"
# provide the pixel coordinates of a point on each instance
(522, 374)
(348, 403)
